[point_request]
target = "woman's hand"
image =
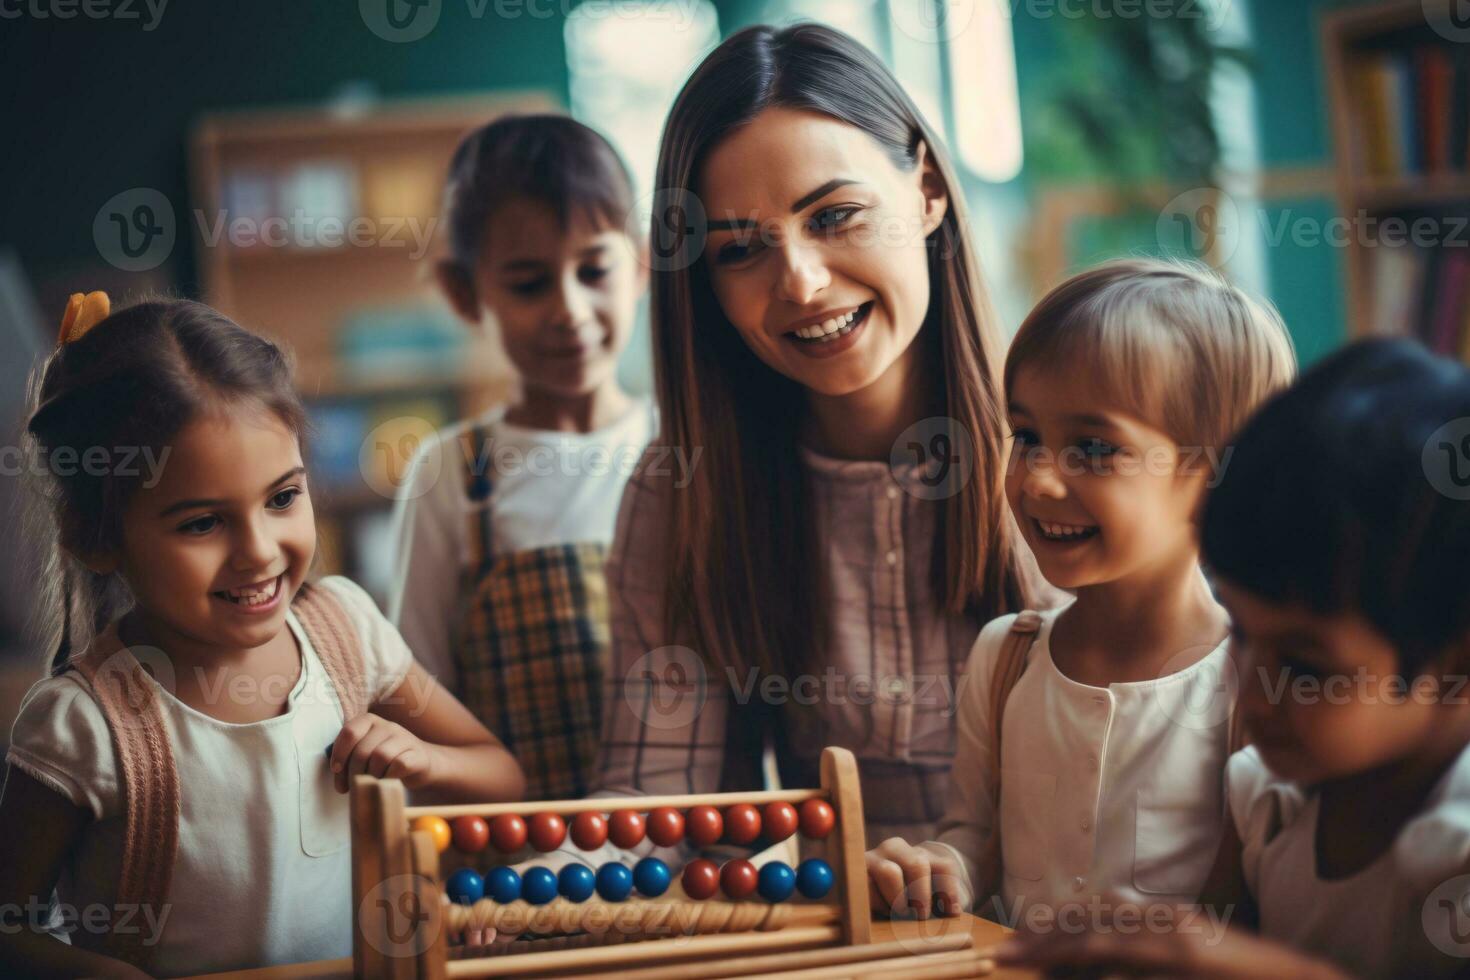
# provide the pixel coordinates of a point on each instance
(910, 880)
(378, 747)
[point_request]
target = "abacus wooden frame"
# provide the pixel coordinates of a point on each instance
(395, 874)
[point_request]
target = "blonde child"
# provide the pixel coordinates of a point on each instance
(168, 779)
(1339, 537)
(1122, 387)
(505, 519)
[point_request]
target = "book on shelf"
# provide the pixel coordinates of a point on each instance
(1411, 110)
(1424, 293)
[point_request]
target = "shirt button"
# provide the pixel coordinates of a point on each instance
(891, 558)
(1078, 884)
(893, 493)
(897, 686)
(1086, 823)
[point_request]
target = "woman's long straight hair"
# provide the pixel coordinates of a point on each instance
(744, 563)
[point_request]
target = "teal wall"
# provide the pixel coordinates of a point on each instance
(93, 108)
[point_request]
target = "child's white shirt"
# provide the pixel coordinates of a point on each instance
(1406, 914)
(263, 872)
(1107, 794)
(548, 488)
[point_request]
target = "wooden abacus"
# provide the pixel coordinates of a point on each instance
(404, 910)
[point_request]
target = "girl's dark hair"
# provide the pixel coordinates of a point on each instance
(730, 576)
(127, 387)
(1344, 495)
(553, 160)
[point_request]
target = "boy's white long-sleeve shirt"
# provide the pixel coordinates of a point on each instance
(1114, 792)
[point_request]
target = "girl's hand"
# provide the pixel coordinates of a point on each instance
(1197, 955)
(910, 880)
(378, 747)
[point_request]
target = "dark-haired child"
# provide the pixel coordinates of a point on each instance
(504, 520)
(1340, 536)
(168, 779)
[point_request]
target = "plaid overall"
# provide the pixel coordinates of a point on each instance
(531, 644)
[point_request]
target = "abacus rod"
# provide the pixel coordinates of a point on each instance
(900, 950)
(610, 804)
(608, 959)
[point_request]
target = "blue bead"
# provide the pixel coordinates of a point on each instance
(465, 886)
(503, 885)
(652, 877)
(538, 886)
(577, 882)
(777, 881)
(814, 878)
(614, 882)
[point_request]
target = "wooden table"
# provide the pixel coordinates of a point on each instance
(986, 933)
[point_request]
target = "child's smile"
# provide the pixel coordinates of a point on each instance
(216, 550)
(1098, 493)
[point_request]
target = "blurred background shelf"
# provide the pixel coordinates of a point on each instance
(1399, 87)
(318, 227)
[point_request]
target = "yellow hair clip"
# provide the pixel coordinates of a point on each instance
(83, 312)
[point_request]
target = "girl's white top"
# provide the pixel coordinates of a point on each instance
(263, 873)
(1109, 795)
(547, 488)
(1405, 915)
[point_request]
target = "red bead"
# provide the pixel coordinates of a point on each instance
(704, 825)
(665, 826)
(739, 878)
(625, 829)
(589, 831)
(471, 834)
(817, 818)
(742, 824)
(508, 833)
(780, 821)
(701, 878)
(547, 831)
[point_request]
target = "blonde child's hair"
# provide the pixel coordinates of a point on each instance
(1174, 343)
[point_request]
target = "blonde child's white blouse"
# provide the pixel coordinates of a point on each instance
(1405, 915)
(262, 875)
(548, 488)
(1111, 792)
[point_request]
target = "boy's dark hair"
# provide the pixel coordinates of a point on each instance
(550, 159)
(128, 386)
(1338, 497)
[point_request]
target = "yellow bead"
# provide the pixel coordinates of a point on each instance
(437, 828)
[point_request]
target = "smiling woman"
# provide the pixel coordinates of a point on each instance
(834, 304)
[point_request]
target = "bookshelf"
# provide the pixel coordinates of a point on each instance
(317, 226)
(1398, 79)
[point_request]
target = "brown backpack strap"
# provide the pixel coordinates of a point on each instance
(1008, 669)
(149, 778)
(334, 638)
